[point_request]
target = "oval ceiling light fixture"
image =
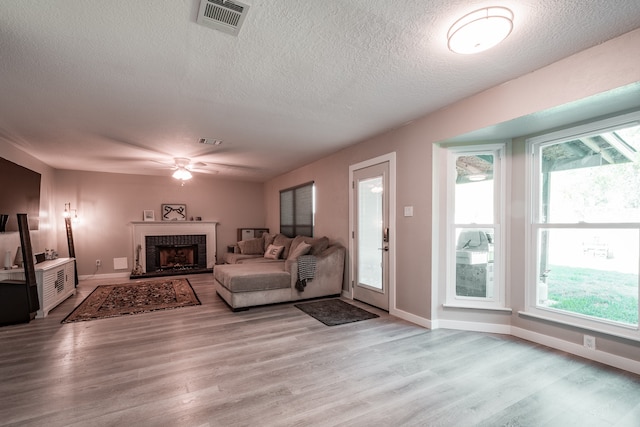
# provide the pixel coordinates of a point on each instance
(480, 30)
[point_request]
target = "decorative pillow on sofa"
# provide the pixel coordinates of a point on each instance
(294, 244)
(300, 249)
(268, 239)
(273, 252)
(318, 244)
(284, 241)
(251, 246)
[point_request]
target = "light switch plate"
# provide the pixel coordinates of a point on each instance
(408, 211)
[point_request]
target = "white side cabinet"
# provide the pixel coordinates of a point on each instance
(56, 282)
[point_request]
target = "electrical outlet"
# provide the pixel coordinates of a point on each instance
(98, 263)
(590, 342)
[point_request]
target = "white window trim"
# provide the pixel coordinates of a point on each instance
(533, 223)
(498, 302)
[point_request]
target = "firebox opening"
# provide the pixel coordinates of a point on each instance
(177, 257)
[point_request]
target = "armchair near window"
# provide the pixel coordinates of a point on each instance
(19, 298)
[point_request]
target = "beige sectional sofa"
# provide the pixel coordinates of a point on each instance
(250, 278)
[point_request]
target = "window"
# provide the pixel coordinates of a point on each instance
(297, 208)
(585, 225)
(474, 235)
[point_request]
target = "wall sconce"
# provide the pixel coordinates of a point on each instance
(70, 213)
(480, 30)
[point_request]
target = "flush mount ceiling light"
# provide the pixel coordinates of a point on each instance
(480, 30)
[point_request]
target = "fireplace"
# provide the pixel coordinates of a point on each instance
(173, 247)
(177, 256)
(176, 252)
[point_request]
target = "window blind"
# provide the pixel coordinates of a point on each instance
(296, 210)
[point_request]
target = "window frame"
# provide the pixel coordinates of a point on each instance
(500, 151)
(534, 223)
(296, 227)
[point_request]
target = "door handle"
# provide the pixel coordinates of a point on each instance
(385, 248)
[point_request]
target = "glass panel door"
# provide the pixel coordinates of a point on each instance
(371, 208)
(370, 241)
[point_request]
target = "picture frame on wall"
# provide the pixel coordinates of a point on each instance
(174, 212)
(148, 215)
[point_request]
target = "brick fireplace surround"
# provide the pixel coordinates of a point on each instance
(148, 234)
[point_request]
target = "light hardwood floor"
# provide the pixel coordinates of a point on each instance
(276, 366)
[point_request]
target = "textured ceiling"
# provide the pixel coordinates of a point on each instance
(126, 86)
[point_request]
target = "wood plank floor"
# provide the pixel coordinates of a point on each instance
(276, 366)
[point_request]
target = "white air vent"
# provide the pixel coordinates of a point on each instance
(210, 141)
(222, 15)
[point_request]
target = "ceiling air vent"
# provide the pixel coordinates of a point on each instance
(210, 141)
(222, 15)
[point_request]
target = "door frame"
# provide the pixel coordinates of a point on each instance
(391, 159)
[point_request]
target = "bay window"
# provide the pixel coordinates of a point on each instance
(585, 225)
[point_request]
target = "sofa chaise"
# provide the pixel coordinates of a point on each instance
(276, 268)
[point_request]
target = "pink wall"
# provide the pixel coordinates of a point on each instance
(605, 67)
(107, 203)
(331, 176)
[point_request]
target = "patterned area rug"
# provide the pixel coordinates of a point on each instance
(334, 312)
(134, 298)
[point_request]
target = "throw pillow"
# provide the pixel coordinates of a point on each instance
(282, 240)
(319, 245)
(273, 252)
(268, 239)
(301, 249)
(295, 242)
(251, 246)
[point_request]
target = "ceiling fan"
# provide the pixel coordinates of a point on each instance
(182, 169)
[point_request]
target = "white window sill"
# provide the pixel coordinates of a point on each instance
(583, 327)
(476, 307)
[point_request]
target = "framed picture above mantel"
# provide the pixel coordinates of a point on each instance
(174, 212)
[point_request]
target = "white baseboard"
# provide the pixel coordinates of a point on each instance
(579, 350)
(605, 358)
(104, 276)
(420, 321)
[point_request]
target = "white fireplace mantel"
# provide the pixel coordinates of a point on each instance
(142, 229)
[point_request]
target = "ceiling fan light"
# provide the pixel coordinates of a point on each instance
(480, 30)
(182, 174)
